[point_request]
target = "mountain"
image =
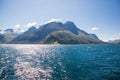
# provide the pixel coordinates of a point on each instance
(39, 34)
(67, 37)
(25, 37)
(117, 41)
(9, 31)
(2, 38)
(94, 36)
(30, 30)
(5, 38)
(63, 33)
(70, 26)
(8, 35)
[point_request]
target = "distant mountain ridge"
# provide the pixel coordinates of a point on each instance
(117, 41)
(5, 38)
(63, 33)
(8, 35)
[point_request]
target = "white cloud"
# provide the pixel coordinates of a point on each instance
(54, 20)
(17, 25)
(19, 31)
(94, 28)
(30, 24)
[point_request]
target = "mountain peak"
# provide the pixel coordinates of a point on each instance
(32, 28)
(69, 25)
(70, 22)
(55, 23)
(93, 36)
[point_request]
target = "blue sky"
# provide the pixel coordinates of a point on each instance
(101, 17)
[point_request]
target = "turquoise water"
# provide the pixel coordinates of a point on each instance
(59, 62)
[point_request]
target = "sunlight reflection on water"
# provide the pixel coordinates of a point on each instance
(24, 68)
(59, 62)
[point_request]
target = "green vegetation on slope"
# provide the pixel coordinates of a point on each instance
(67, 37)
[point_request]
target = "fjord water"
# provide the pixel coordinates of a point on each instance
(59, 62)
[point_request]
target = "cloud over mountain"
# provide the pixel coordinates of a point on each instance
(17, 25)
(53, 20)
(30, 24)
(94, 28)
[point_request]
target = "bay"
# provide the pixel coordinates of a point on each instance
(59, 62)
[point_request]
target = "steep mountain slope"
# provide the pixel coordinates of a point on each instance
(25, 37)
(94, 36)
(39, 34)
(44, 34)
(70, 26)
(67, 37)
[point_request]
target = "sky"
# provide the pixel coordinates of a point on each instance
(101, 17)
